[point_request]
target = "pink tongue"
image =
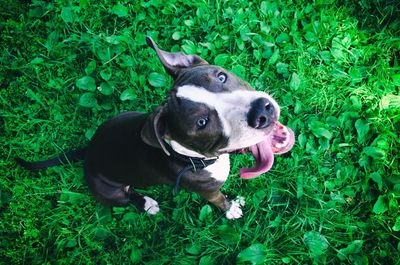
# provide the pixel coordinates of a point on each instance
(264, 157)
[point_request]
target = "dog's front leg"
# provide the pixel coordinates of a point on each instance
(232, 208)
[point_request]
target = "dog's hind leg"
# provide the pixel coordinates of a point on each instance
(116, 194)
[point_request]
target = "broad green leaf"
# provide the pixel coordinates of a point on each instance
(206, 260)
(120, 10)
(106, 88)
(333, 121)
(377, 178)
(362, 127)
(302, 139)
(282, 68)
(338, 55)
(189, 47)
(228, 234)
(177, 35)
(239, 70)
(83, 3)
(355, 74)
(136, 255)
(393, 204)
(396, 79)
(325, 56)
(205, 213)
(337, 43)
(282, 38)
(88, 100)
(37, 60)
(71, 243)
(221, 59)
(259, 196)
(104, 52)
(130, 218)
(86, 83)
(68, 14)
(101, 233)
(126, 61)
(33, 96)
(294, 82)
(298, 106)
(189, 22)
(396, 226)
(380, 205)
(275, 56)
(194, 249)
(316, 243)
(276, 222)
(36, 12)
(269, 8)
(255, 254)
(319, 131)
(90, 132)
(90, 67)
(300, 186)
(353, 248)
(374, 152)
(381, 142)
(128, 94)
(106, 74)
(322, 132)
(157, 80)
(72, 197)
(310, 36)
(103, 214)
(113, 39)
(356, 103)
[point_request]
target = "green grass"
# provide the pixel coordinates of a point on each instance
(332, 65)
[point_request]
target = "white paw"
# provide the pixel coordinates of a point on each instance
(151, 206)
(235, 211)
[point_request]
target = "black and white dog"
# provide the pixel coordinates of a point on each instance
(186, 142)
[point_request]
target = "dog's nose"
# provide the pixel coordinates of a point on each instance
(261, 113)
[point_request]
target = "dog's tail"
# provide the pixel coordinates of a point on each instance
(70, 156)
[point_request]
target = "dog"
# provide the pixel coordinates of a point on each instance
(209, 114)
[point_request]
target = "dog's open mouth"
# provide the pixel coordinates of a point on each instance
(279, 141)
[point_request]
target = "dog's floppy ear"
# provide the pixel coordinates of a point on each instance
(154, 129)
(173, 62)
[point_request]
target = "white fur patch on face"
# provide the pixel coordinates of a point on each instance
(235, 211)
(232, 108)
(150, 205)
(220, 169)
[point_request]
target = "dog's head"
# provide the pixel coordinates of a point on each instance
(211, 111)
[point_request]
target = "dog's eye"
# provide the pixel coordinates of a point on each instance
(222, 77)
(202, 122)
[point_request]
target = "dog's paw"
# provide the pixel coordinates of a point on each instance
(235, 210)
(150, 205)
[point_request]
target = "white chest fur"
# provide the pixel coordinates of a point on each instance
(220, 169)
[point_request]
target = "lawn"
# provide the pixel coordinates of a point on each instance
(333, 66)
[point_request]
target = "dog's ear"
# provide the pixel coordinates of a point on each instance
(173, 62)
(154, 129)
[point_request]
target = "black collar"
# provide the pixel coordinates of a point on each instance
(191, 163)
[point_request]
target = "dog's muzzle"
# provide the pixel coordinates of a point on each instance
(262, 114)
